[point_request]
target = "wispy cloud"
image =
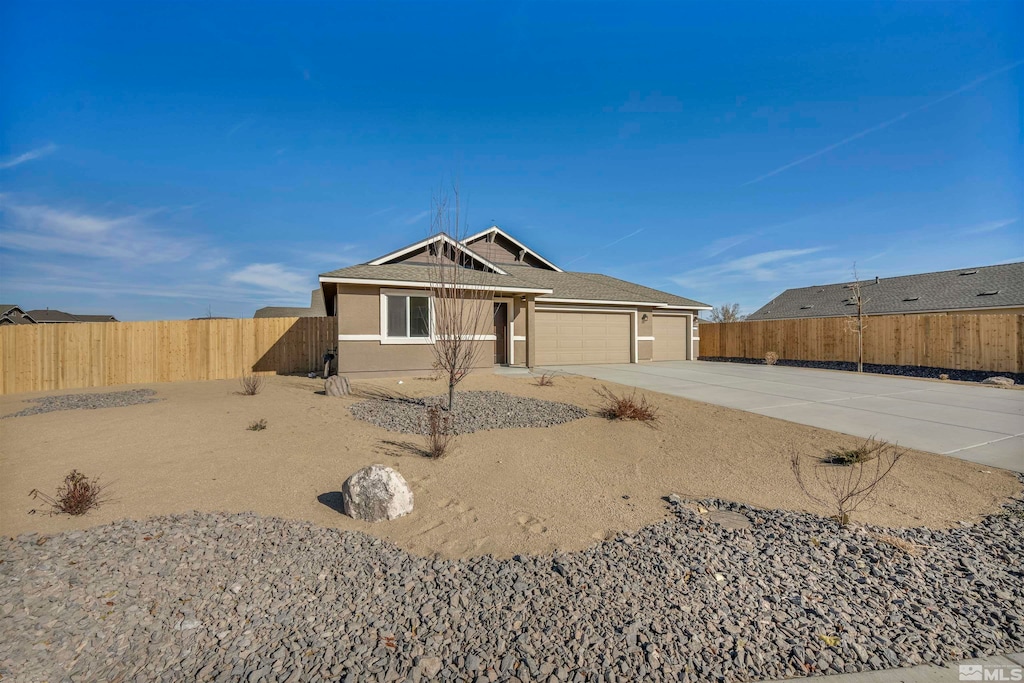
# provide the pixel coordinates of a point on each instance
(11, 162)
(380, 212)
(272, 277)
(610, 244)
(990, 226)
(885, 124)
(724, 244)
(412, 220)
(125, 239)
(764, 266)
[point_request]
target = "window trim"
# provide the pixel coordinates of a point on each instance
(423, 293)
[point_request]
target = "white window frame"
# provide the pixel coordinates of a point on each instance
(384, 294)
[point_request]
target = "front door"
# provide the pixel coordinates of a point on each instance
(500, 333)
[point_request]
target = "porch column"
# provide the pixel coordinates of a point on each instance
(531, 316)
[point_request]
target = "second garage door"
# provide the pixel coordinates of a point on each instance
(575, 338)
(671, 337)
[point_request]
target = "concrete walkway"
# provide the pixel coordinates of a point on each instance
(981, 424)
(998, 667)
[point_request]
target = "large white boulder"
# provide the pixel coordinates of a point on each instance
(376, 493)
(998, 381)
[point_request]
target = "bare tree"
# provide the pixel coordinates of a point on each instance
(844, 481)
(856, 323)
(461, 301)
(726, 313)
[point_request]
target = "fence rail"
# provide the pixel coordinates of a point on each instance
(956, 342)
(76, 355)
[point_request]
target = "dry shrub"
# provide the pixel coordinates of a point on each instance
(439, 432)
(258, 426)
(912, 549)
(251, 384)
(545, 380)
(943, 376)
(844, 488)
(626, 407)
(865, 452)
(771, 358)
(76, 496)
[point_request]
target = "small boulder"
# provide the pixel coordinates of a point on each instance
(376, 493)
(336, 385)
(998, 381)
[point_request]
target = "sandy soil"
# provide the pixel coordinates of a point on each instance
(501, 492)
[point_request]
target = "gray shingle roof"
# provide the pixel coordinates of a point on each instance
(413, 272)
(316, 308)
(947, 290)
(51, 315)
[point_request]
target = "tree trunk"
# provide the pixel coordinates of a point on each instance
(451, 397)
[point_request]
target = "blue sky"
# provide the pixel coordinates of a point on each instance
(163, 160)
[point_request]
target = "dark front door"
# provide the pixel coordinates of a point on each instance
(500, 333)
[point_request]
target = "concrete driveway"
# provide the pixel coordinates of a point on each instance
(978, 423)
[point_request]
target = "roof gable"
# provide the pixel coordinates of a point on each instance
(494, 233)
(427, 249)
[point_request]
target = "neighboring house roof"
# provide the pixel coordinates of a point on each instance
(7, 308)
(550, 285)
(16, 320)
(52, 315)
(999, 286)
(316, 308)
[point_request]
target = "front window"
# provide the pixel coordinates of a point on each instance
(408, 316)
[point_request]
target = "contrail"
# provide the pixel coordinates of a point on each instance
(886, 124)
(610, 244)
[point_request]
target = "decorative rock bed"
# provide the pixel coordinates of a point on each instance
(240, 597)
(475, 411)
(110, 399)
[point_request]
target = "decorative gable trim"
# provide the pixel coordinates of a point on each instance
(388, 258)
(513, 240)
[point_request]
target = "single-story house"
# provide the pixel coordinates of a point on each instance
(541, 315)
(315, 310)
(985, 289)
(10, 314)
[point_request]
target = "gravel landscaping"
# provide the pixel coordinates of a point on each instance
(902, 370)
(111, 399)
(476, 411)
(241, 597)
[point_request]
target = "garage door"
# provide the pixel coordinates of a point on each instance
(671, 337)
(574, 338)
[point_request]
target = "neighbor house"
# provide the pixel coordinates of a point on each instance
(315, 309)
(52, 315)
(13, 315)
(541, 315)
(985, 289)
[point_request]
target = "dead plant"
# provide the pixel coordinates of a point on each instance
(258, 426)
(912, 549)
(439, 432)
(76, 496)
(771, 358)
(545, 380)
(252, 384)
(845, 487)
(626, 407)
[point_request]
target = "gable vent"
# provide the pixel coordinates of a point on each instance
(969, 272)
(989, 293)
(804, 308)
(911, 298)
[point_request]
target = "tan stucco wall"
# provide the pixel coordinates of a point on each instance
(645, 349)
(358, 309)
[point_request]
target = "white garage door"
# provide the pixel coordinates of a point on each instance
(575, 338)
(671, 337)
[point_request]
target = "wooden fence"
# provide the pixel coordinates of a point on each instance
(955, 342)
(75, 355)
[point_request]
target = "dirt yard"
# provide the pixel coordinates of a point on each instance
(501, 492)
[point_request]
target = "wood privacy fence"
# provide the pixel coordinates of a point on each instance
(955, 342)
(75, 355)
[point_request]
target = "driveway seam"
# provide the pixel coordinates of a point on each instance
(965, 448)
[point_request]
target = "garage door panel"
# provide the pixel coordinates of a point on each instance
(568, 338)
(671, 337)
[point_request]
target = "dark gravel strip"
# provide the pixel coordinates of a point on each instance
(111, 399)
(475, 411)
(901, 370)
(238, 597)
